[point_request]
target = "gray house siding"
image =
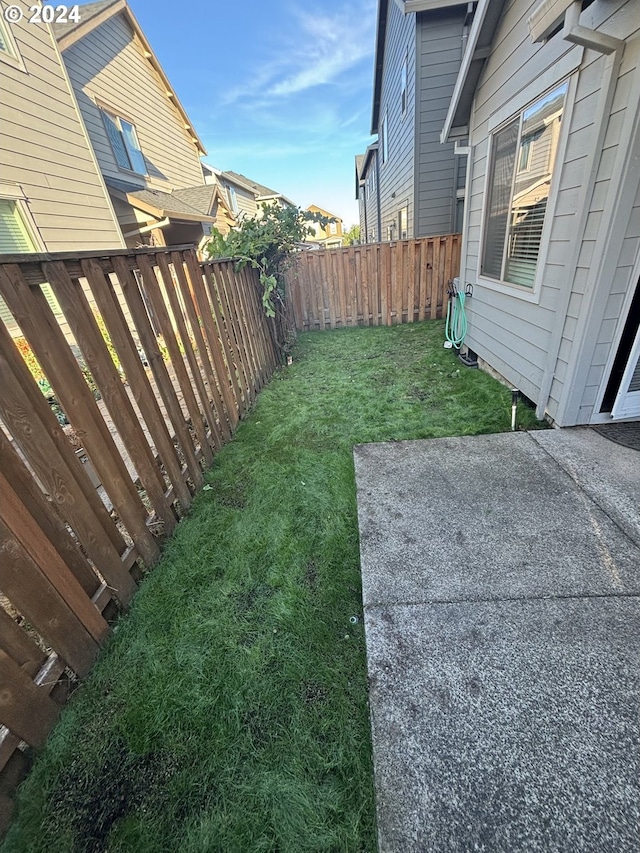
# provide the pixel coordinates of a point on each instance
(438, 173)
(370, 191)
(508, 332)
(396, 175)
(554, 343)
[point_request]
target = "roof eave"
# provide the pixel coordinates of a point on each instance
(485, 23)
(381, 33)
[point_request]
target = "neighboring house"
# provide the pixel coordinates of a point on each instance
(367, 195)
(420, 183)
(244, 197)
(330, 235)
(240, 197)
(263, 195)
(548, 94)
(146, 147)
(52, 195)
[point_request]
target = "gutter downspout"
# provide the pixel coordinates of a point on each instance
(378, 210)
(613, 49)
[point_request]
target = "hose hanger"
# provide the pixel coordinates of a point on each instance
(456, 321)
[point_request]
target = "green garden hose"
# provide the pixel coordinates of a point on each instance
(456, 324)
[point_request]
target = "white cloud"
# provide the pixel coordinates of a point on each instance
(318, 50)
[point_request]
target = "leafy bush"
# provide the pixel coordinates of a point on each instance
(267, 243)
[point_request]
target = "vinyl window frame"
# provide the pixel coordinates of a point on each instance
(107, 113)
(535, 91)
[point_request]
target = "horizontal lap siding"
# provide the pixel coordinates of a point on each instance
(45, 151)
(437, 169)
(108, 65)
(499, 323)
(620, 22)
(396, 176)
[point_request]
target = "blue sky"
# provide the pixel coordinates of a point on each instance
(278, 90)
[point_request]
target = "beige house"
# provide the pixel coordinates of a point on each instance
(146, 148)
(244, 197)
(330, 235)
(52, 194)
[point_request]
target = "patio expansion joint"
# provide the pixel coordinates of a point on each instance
(588, 497)
(428, 602)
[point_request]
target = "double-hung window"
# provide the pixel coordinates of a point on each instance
(124, 142)
(523, 154)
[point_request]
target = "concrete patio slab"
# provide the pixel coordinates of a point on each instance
(502, 617)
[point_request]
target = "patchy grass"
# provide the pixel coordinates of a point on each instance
(229, 710)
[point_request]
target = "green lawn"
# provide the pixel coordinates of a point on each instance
(229, 710)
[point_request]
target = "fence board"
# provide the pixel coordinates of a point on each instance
(24, 708)
(202, 409)
(223, 426)
(373, 284)
(154, 358)
(233, 349)
(64, 557)
(212, 398)
(43, 554)
(82, 322)
(205, 293)
(121, 336)
(41, 509)
(24, 584)
(19, 646)
(47, 341)
(161, 310)
(238, 292)
(35, 429)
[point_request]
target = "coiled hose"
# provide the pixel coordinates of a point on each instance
(456, 323)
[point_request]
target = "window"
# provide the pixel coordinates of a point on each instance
(403, 85)
(16, 237)
(523, 154)
(403, 217)
(9, 52)
(383, 139)
(371, 182)
(6, 43)
(233, 200)
(333, 228)
(124, 142)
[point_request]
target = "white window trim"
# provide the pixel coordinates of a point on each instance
(14, 59)
(529, 294)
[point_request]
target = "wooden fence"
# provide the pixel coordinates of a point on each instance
(177, 351)
(378, 284)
